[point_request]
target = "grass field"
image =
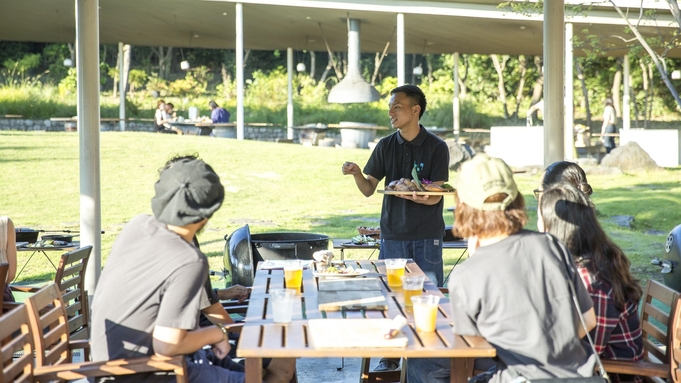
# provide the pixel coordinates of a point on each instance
(270, 187)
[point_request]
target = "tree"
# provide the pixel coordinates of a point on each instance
(164, 55)
(499, 66)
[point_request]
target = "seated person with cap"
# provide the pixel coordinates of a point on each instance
(514, 288)
(152, 289)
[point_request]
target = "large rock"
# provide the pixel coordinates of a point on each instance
(458, 154)
(630, 158)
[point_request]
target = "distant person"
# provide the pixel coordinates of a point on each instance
(609, 127)
(169, 116)
(159, 116)
(538, 107)
(567, 213)
(8, 253)
(218, 114)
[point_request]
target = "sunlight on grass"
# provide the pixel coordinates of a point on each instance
(271, 187)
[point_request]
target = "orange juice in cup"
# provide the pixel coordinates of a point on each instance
(425, 312)
(293, 274)
(412, 286)
(395, 270)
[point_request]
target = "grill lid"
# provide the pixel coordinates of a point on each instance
(238, 258)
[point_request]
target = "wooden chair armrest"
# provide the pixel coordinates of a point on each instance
(637, 368)
(73, 371)
(236, 309)
(234, 327)
(24, 289)
(10, 305)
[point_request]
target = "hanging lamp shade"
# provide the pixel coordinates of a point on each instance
(353, 88)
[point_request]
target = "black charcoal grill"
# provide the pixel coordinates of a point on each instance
(244, 250)
(671, 263)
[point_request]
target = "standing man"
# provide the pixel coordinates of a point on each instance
(217, 113)
(152, 288)
(411, 226)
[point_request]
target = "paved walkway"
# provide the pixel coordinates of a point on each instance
(312, 370)
(315, 370)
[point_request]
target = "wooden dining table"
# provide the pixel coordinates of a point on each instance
(262, 338)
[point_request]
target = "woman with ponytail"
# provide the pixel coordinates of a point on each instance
(567, 212)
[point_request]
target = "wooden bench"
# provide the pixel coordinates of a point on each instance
(661, 329)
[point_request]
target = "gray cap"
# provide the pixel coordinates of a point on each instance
(187, 192)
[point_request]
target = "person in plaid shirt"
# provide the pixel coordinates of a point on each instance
(568, 213)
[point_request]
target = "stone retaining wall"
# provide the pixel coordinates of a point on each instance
(258, 133)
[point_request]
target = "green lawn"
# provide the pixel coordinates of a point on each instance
(270, 187)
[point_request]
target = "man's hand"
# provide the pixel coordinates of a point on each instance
(422, 199)
(237, 292)
(221, 349)
(351, 168)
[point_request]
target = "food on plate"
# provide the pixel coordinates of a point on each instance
(338, 269)
(403, 184)
(434, 188)
(364, 239)
(369, 231)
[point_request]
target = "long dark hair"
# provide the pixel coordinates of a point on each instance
(567, 214)
(565, 171)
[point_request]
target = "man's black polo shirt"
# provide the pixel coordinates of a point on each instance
(392, 159)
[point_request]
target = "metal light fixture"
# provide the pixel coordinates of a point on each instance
(184, 65)
(353, 88)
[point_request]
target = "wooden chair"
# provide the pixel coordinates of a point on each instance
(675, 344)
(43, 321)
(70, 279)
(4, 267)
(17, 338)
(367, 376)
(658, 327)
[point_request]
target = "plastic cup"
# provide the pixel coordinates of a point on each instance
(395, 270)
(425, 312)
(282, 304)
(412, 286)
(293, 273)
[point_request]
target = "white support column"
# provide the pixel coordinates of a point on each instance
(239, 71)
(400, 49)
(554, 28)
(626, 105)
(121, 86)
(289, 104)
(568, 127)
(456, 113)
(87, 59)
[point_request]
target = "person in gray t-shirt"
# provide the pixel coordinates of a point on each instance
(514, 288)
(152, 290)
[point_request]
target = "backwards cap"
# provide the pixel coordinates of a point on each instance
(482, 177)
(187, 192)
